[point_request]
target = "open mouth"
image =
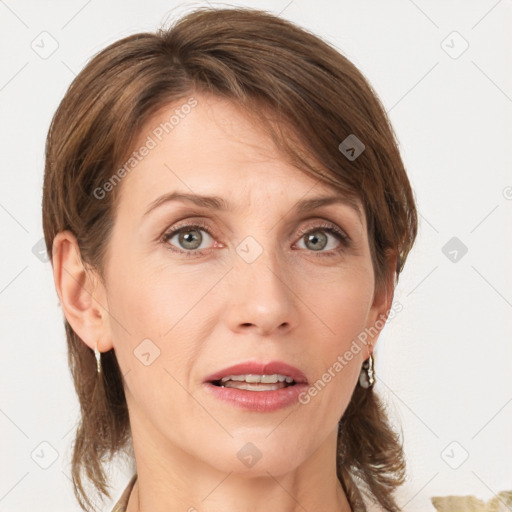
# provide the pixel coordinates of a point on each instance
(259, 392)
(255, 382)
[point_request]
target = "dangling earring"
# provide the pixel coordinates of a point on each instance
(366, 377)
(97, 353)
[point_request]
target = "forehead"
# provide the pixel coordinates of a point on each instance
(215, 155)
(213, 126)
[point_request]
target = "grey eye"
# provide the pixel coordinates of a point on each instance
(189, 238)
(316, 241)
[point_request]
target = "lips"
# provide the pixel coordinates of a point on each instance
(255, 395)
(259, 368)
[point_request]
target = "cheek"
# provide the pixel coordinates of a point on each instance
(153, 335)
(343, 306)
(343, 302)
(146, 298)
(160, 303)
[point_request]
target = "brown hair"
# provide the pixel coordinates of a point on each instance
(316, 97)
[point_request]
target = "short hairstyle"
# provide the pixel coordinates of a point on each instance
(310, 98)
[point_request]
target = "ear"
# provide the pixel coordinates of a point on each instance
(382, 301)
(81, 293)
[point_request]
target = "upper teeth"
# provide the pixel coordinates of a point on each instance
(267, 379)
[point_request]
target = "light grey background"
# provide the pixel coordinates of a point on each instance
(443, 362)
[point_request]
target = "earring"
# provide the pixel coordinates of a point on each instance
(366, 377)
(97, 353)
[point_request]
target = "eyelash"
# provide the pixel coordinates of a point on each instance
(330, 228)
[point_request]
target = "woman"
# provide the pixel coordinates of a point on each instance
(227, 215)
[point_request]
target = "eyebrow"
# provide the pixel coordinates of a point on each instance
(220, 204)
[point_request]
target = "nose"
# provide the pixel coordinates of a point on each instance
(261, 296)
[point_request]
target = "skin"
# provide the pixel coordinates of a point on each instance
(208, 312)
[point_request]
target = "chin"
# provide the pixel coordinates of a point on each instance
(256, 457)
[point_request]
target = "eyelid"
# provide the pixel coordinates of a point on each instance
(324, 224)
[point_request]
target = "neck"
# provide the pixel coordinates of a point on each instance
(339, 504)
(170, 479)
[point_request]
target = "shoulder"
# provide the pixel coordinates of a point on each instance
(122, 503)
(354, 495)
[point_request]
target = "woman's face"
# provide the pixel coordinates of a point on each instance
(260, 281)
